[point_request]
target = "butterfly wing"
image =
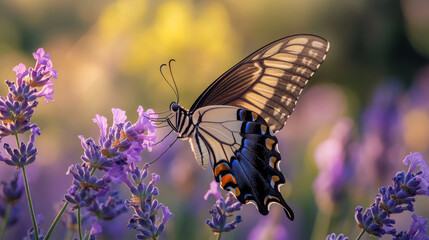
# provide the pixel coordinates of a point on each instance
(243, 153)
(270, 80)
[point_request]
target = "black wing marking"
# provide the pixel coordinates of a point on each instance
(243, 153)
(270, 80)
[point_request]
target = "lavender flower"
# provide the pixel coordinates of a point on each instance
(17, 109)
(417, 230)
(92, 155)
(41, 74)
(332, 236)
(26, 154)
(10, 195)
(15, 116)
(108, 208)
(12, 191)
(146, 208)
(122, 143)
(376, 219)
(85, 187)
(222, 209)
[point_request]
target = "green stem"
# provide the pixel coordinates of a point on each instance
(6, 219)
(17, 139)
(30, 203)
(360, 235)
(79, 223)
(57, 218)
(218, 236)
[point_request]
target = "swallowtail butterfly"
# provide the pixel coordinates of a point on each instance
(232, 124)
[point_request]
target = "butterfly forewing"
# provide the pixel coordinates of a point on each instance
(270, 80)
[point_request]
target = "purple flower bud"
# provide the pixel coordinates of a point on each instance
(107, 208)
(26, 154)
(12, 191)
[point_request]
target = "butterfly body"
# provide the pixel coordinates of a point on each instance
(232, 124)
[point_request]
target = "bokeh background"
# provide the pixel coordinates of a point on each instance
(363, 111)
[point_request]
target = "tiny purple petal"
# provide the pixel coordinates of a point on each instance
(40, 54)
(214, 190)
(102, 124)
(69, 169)
(166, 214)
(21, 71)
(118, 116)
(82, 141)
(47, 91)
(414, 160)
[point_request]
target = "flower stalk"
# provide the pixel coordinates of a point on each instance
(79, 222)
(361, 234)
(30, 202)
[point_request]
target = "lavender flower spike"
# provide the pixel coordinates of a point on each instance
(146, 218)
(376, 219)
(123, 142)
(222, 209)
(26, 154)
(17, 108)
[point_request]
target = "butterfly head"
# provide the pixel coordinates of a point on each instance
(174, 107)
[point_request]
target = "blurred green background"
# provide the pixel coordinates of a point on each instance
(108, 54)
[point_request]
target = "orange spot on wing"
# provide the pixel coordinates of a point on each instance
(237, 192)
(254, 116)
(226, 179)
(273, 161)
(264, 129)
(269, 143)
(270, 198)
(274, 179)
(220, 167)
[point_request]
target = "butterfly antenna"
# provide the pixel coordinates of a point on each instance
(169, 84)
(172, 77)
(164, 151)
(164, 138)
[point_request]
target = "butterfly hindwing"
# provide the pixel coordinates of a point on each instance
(270, 80)
(243, 154)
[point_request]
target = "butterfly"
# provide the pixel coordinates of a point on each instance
(232, 124)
